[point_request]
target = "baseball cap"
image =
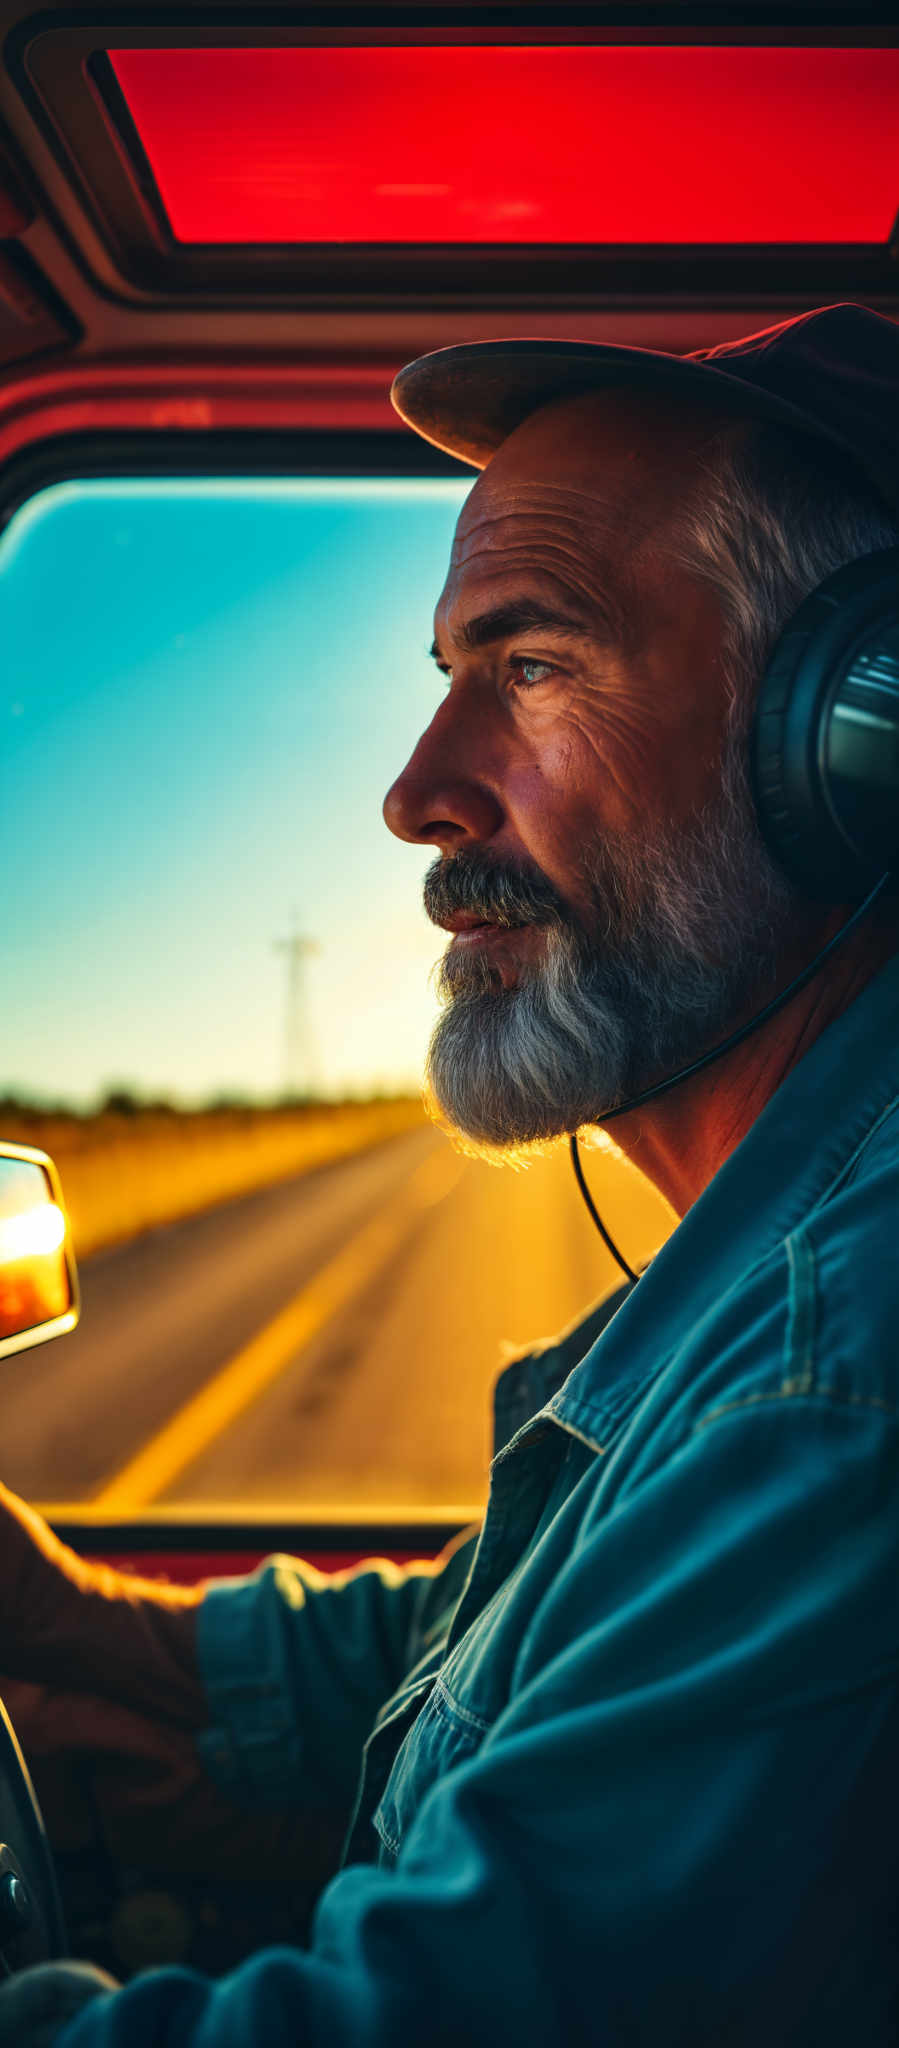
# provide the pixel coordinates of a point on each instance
(832, 372)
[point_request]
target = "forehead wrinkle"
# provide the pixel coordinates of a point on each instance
(487, 531)
(492, 501)
(593, 550)
(585, 583)
(529, 500)
(567, 555)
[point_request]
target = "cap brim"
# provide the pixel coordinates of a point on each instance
(468, 399)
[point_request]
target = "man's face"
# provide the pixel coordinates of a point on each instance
(583, 781)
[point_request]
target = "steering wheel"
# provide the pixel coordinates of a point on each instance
(32, 1927)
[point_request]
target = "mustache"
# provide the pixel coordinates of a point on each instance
(497, 892)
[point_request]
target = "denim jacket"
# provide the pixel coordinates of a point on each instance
(630, 1757)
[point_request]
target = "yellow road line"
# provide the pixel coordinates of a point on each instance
(238, 1384)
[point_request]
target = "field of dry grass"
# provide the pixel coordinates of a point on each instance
(124, 1173)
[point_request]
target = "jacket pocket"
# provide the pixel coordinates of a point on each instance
(444, 1734)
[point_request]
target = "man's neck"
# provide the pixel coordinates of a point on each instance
(680, 1141)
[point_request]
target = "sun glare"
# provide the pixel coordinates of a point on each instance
(37, 1231)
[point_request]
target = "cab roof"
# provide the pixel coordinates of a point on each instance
(346, 187)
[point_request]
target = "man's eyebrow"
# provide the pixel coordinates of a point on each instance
(519, 615)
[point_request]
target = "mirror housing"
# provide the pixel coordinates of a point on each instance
(38, 1278)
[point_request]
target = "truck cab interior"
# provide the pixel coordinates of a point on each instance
(223, 230)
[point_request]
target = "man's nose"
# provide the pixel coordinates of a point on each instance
(440, 799)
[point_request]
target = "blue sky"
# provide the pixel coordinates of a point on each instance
(206, 690)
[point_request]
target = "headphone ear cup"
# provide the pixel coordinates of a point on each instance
(824, 747)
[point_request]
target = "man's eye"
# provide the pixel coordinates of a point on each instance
(527, 671)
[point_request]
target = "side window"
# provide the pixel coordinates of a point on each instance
(216, 1004)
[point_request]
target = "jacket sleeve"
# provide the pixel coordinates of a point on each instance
(675, 1831)
(296, 1664)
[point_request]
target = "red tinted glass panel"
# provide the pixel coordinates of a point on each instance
(574, 144)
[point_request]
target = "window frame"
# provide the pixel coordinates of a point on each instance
(191, 454)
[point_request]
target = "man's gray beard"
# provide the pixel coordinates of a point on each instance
(686, 935)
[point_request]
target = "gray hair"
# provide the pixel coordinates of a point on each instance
(775, 513)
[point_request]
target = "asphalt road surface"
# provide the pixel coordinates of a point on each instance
(322, 1347)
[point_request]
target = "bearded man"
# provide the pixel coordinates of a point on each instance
(629, 1755)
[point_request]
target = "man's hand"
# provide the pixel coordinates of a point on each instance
(37, 2004)
(106, 1776)
(87, 1627)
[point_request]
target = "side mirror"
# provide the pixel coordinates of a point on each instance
(38, 1279)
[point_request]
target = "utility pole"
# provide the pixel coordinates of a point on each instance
(300, 1060)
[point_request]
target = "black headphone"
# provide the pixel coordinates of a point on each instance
(825, 738)
(824, 758)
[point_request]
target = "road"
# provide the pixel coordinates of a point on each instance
(324, 1347)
